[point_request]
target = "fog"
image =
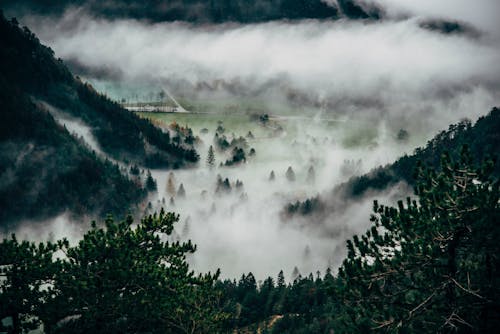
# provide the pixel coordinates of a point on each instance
(392, 69)
(246, 229)
(340, 90)
(75, 127)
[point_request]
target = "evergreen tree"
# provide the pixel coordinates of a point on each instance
(290, 174)
(211, 157)
(25, 268)
(150, 183)
(432, 265)
(272, 176)
(171, 184)
(281, 279)
(128, 280)
(181, 193)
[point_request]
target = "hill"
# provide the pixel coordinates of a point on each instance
(44, 169)
(197, 11)
(482, 138)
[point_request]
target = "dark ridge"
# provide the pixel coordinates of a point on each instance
(121, 134)
(482, 138)
(198, 11)
(45, 170)
(357, 10)
(450, 27)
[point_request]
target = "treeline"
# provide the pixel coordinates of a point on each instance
(32, 68)
(214, 11)
(483, 138)
(429, 265)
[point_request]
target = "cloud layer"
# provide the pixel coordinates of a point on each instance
(390, 67)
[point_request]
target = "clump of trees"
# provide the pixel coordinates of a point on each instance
(237, 157)
(426, 266)
(430, 265)
(118, 278)
(305, 208)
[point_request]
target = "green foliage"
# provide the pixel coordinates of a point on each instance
(151, 183)
(25, 271)
(430, 266)
(117, 279)
(305, 208)
(238, 157)
(482, 138)
(44, 171)
(32, 69)
(211, 157)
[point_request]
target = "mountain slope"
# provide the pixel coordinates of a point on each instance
(199, 11)
(482, 138)
(45, 170)
(26, 63)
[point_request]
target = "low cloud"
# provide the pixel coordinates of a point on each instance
(395, 69)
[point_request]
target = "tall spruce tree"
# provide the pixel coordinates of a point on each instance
(433, 265)
(211, 157)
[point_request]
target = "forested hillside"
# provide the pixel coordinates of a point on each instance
(429, 265)
(215, 11)
(31, 67)
(483, 138)
(44, 170)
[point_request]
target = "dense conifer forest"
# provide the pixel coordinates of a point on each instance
(244, 11)
(426, 263)
(44, 170)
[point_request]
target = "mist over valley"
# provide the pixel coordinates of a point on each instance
(289, 137)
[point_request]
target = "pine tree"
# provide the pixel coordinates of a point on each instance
(181, 193)
(124, 273)
(150, 182)
(290, 174)
(272, 176)
(26, 270)
(211, 157)
(171, 184)
(430, 266)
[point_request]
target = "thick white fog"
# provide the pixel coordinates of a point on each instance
(243, 231)
(392, 68)
(341, 90)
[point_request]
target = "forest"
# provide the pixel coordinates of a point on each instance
(284, 201)
(60, 172)
(428, 265)
(244, 11)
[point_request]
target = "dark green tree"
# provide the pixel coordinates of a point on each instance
(25, 268)
(150, 183)
(432, 265)
(121, 278)
(211, 157)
